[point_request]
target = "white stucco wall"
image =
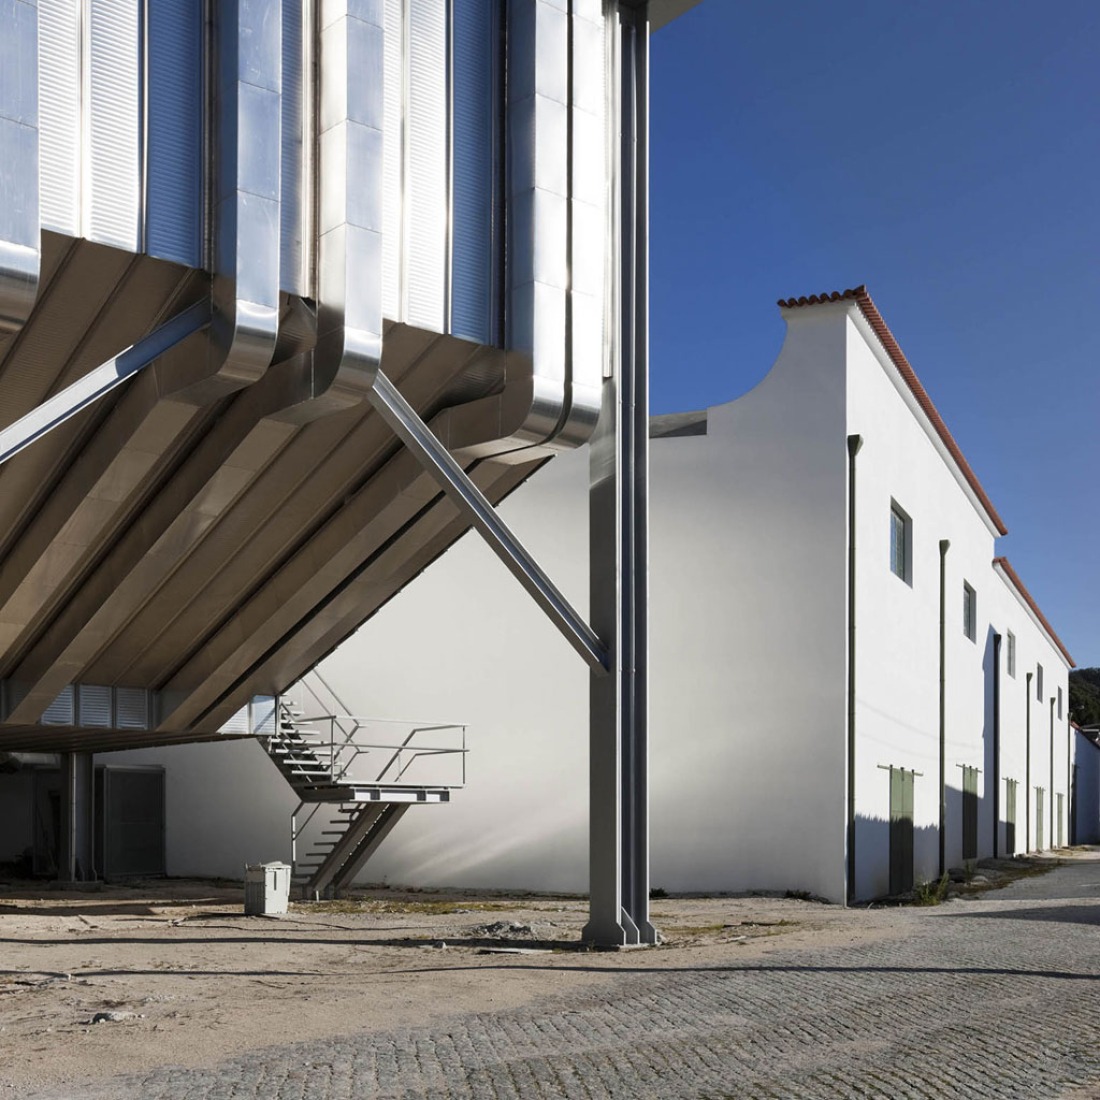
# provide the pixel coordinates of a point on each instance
(748, 543)
(749, 662)
(898, 622)
(1018, 705)
(748, 673)
(897, 697)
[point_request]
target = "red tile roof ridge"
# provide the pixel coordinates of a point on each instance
(1006, 567)
(870, 312)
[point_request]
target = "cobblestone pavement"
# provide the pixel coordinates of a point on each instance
(997, 997)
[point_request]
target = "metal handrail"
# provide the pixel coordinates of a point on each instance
(344, 750)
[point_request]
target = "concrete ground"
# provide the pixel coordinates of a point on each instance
(994, 995)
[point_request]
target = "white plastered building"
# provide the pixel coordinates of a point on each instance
(833, 629)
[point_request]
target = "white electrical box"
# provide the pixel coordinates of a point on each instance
(266, 888)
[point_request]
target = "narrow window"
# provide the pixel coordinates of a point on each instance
(901, 543)
(970, 612)
(1012, 654)
(1059, 704)
(1039, 682)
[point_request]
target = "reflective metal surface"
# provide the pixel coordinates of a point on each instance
(19, 250)
(333, 178)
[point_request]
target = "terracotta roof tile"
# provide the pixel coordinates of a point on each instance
(1006, 567)
(870, 312)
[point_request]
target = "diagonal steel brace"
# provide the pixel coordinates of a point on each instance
(472, 503)
(101, 380)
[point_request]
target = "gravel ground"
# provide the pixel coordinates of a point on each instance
(990, 995)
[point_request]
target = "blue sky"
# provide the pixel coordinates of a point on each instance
(948, 156)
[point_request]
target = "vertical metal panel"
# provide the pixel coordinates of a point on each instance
(113, 170)
(292, 195)
(589, 223)
(61, 712)
(350, 166)
(474, 50)
(426, 191)
(131, 708)
(174, 183)
(393, 151)
(538, 133)
(59, 97)
(246, 211)
(18, 162)
(94, 705)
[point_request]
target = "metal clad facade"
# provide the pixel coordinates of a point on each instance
(292, 207)
(426, 190)
(475, 50)
(394, 76)
(59, 115)
(113, 169)
(174, 185)
(19, 236)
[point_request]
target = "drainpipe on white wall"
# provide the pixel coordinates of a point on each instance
(945, 545)
(854, 444)
(1027, 766)
(1052, 798)
(996, 740)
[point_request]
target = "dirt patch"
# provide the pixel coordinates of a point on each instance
(176, 974)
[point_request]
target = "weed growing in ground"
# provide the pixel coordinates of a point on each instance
(931, 893)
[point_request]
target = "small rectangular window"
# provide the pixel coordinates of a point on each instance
(1059, 704)
(901, 543)
(1039, 682)
(970, 612)
(1011, 654)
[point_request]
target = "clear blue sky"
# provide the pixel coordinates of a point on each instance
(948, 156)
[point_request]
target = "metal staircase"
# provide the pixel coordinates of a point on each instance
(348, 805)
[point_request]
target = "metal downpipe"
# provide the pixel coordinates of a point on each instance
(945, 545)
(996, 740)
(855, 442)
(1027, 764)
(1052, 798)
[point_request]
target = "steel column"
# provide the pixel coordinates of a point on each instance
(619, 549)
(76, 857)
